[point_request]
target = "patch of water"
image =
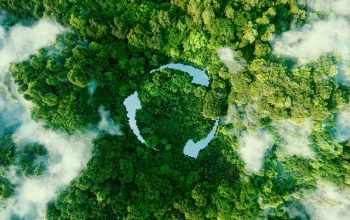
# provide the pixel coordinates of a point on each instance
(200, 77)
(192, 149)
(132, 104)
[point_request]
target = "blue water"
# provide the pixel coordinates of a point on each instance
(192, 149)
(132, 104)
(200, 77)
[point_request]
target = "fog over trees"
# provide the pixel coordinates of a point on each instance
(275, 88)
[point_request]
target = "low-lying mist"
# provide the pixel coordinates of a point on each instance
(67, 154)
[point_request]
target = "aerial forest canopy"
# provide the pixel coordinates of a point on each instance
(281, 149)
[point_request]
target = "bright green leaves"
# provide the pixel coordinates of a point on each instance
(199, 196)
(196, 40)
(136, 36)
(50, 99)
(169, 98)
(308, 91)
(77, 77)
(249, 35)
(116, 44)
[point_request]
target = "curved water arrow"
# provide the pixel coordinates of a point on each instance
(133, 103)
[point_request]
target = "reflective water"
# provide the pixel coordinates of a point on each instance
(200, 77)
(132, 104)
(192, 149)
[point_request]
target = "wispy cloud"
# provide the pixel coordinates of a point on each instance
(296, 138)
(315, 39)
(335, 7)
(107, 124)
(67, 154)
(328, 202)
(253, 142)
(253, 147)
(320, 36)
(232, 61)
(22, 41)
(342, 125)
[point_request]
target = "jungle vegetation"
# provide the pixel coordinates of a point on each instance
(116, 44)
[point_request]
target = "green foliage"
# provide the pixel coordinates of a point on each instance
(7, 150)
(31, 160)
(6, 188)
(116, 44)
(178, 119)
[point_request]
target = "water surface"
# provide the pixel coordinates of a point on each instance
(192, 149)
(132, 104)
(200, 77)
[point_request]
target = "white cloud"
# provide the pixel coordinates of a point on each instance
(68, 154)
(343, 72)
(315, 39)
(232, 116)
(295, 138)
(253, 147)
(337, 7)
(342, 125)
(320, 36)
(253, 143)
(16, 45)
(107, 124)
(328, 202)
(20, 42)
(230, 59)
(329, 33)
(247, 115)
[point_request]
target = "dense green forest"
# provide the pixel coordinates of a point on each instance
(116, 44)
